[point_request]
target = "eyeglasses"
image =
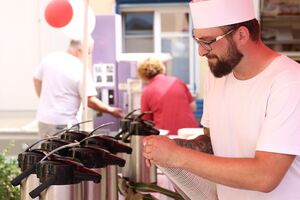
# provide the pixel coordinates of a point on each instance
(207, 44)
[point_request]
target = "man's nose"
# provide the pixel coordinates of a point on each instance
(202, 51)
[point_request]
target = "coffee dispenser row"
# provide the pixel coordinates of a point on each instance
(78, 165)
(61, 165)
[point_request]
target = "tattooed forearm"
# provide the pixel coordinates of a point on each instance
(201, 143)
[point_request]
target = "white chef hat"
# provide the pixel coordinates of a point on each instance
(215, 13)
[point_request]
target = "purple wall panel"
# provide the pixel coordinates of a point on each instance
(105, 52)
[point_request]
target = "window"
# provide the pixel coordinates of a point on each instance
(175, 40)
(138, 32)
(161, 28)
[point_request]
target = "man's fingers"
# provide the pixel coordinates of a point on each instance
(148, 163)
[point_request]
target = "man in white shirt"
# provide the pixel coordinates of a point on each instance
(251, 109)
(58, 83)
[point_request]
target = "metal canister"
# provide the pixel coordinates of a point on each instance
(139, 172)
(107, 189)
(101, 161)
(28, 179)
(60, 179)
(62, 192)
(124, 138)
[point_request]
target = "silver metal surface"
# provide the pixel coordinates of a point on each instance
(139, 172)
(94, 191)
(107, 189)
(62, 192)
(112, 182)
(27, 185)
(126, 169)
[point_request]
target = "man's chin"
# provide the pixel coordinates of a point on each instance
(218, 73)
(212, 63)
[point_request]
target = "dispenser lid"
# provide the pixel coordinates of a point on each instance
(29, 158)
(50, 145)
(108, 143)
(142, 128)
(90, 157)
(74, 135)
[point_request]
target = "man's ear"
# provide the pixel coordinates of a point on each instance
(242, 35)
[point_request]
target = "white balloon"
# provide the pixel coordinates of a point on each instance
(74, 29)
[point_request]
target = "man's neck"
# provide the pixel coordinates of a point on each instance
(255, 60)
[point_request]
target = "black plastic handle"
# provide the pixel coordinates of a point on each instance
(17, 181)
(122, 148)
(39, 189)
(114, 160)
(88, 175)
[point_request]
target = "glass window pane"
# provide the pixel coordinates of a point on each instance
(139, 45)
(175, 40)
(138, 37)
(179, 49)
(174, 22)
(138, 23)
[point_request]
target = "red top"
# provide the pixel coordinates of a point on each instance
(169, 100)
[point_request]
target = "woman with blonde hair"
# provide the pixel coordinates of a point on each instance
(168, 98)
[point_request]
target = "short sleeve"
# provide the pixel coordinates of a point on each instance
(38, 74)
(90, 85)
(205, 116)
(281, 130)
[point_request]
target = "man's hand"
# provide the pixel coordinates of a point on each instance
(116, 112)
(160, 150)
(97, 105)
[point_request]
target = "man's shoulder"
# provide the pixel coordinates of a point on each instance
(285, 66)
(61, 57)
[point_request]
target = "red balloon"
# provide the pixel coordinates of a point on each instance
(58, 13)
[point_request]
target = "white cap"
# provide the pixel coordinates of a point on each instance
(215, 13)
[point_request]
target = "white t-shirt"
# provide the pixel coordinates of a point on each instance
(262, 113)
(61, 75)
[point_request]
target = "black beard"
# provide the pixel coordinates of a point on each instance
(225, 66)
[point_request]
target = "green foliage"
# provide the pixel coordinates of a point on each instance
(8, 170)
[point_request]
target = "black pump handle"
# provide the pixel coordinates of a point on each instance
(17, 180)
(39, 189)
(119, 135)
(90, 176)
(122, 148)
(115, 160)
